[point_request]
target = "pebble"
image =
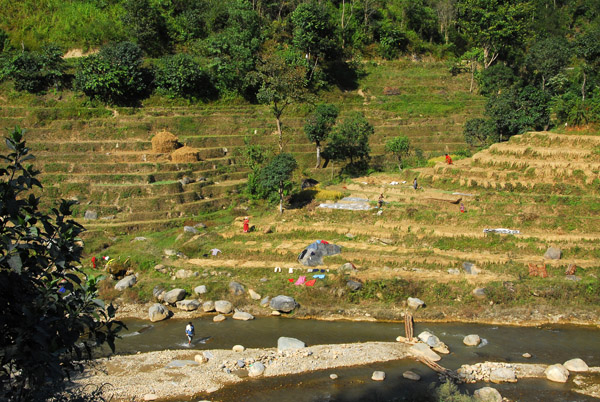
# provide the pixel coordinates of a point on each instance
(333, 376)
(527, 355)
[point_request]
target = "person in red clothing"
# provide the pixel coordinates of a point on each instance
(246, 225)
(94, 262)
(462, 207)
(448, 159)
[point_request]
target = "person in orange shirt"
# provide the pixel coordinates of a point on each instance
(246, 225)
(448, 159)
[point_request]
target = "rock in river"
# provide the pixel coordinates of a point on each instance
(411, 375)
(557, 373)
(242, 316)
(158, 312)
(285, 343)
(421, 349)
(283, 303)
(576, 365)
(472, 340)
(503, 374)
(487, 394)
(378, 376)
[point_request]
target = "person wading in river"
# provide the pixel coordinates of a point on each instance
(189, 331)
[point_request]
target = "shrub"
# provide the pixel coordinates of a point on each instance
(479, 132)
(36, 71)
(181, 75)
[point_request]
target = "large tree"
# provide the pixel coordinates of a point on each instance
(50, 317)
(494, 25)
(313, 31)
(350, 139)
(400, 147)
(277, 174)
(319, 124)
(546, 58)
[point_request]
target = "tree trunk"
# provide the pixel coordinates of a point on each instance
(583, 88)
(543, 83)
(280, 133)
(472, 76)
(399, 163)
(318, 155)
(281, 198)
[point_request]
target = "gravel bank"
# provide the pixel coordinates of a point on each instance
(142, 374)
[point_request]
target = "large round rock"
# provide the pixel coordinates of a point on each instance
(223, 306)
(126, 282)
(283, 303)
(472, 340)
(158, 312)
(285, 343)
(576, 365)
(487, 394)
(173, 296)
(557, 373)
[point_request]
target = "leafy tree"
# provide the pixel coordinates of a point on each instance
(494, 26)
(277, 174)
(392, 42)
(147, 26)
(587, 48)
(479, 132)
(282, 84)
(400, 147)
(50, 316)
(37, 71)
(114, 75)
(313, 32)
(181, 75)
(350, 140)
(546, 58)
(319, 124)
(495, 79)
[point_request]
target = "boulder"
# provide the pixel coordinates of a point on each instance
(188, 305)
(265, 302)
(421, 349)
(410, 375)
(158, 292)
(441, 348)
(479, 293)
(223, 306)
(90, 215)
(553, 253)
(219, 318)
(150, 397)
(378, 376)
(126, 282)
(242, 316)
(185, 273)
(236, 288)
(487, 394)
(503, 374)
(200, 290)
(238, 348)
(256, 369)
(208, 306)
(161, 268)
(414, 302)
(557, 373)
(275, 313)
(173, 296)
(285, 343)
(354, 285)
(576, 365)
(190, 229)
(170, 252)
(430, 339)
(200, 359)
(348, 268)
(313, 254)
(158, 312)
(283, 303)
(470, 268)
(253, 295)
(472, 340)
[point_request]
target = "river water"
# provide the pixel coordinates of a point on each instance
(547, 344)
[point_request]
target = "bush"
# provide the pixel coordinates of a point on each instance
(114, 75)
(181, 75)
(479, 132)
(392, 43)
(36, 71)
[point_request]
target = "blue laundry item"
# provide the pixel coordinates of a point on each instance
(320, 276)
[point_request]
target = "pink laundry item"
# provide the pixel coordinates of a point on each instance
(311, 282)
(300, 280)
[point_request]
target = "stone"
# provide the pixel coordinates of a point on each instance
(430, 339)
(503, 374)
(185, 180)
(90, 215)
(200, 290)
(349, 235)
(453, 271)
(253, 294)
(238, 348)
(188, 305)
(414, 303)
(200, 359)
(242, 316)
(150, 397)
(421, 349)
(161, 268)
(208, 306)
(190, 229)
(169, 252)
(553, 253)
(275, 313)
(410, 375)
(441, 348)
(378, 376)
(576, 365)
(200, 225)
(173, 296)
(185, 273)
(256, 369)
(219, 318)
(241, 364)
(283, 303)
(557, 373)
(126, 282)
(472, 340)
(236, 288)
(140, 238)
(265, 302)
(470, 268)
(526, 355)
(223, 306)
(286, 343)
(158, 292)
(573, 278)
(487, 394)
(158, 312)
(333, 376)
(354, 285)
(479, 293)
(348, 267)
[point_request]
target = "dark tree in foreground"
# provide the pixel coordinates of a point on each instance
(277, 174)
(319, 124)
(50, 317)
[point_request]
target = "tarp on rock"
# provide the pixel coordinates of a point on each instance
(313, 254)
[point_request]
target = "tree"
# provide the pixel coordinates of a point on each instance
(350, 140)
(319, 124)
(546, 58)
(479, 132)
(147, 26)
(37, 71)
(114, 75)
(313, 31)
(400, 147)
(282, 84)
(494, 25)
(277, 174)
(181, 75)
(50, 317)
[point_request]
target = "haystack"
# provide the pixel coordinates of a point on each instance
(185, 154)
(164, 142)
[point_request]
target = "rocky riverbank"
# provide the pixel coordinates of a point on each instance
(182, 373)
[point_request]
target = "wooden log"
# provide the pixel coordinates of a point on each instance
(408, 326)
